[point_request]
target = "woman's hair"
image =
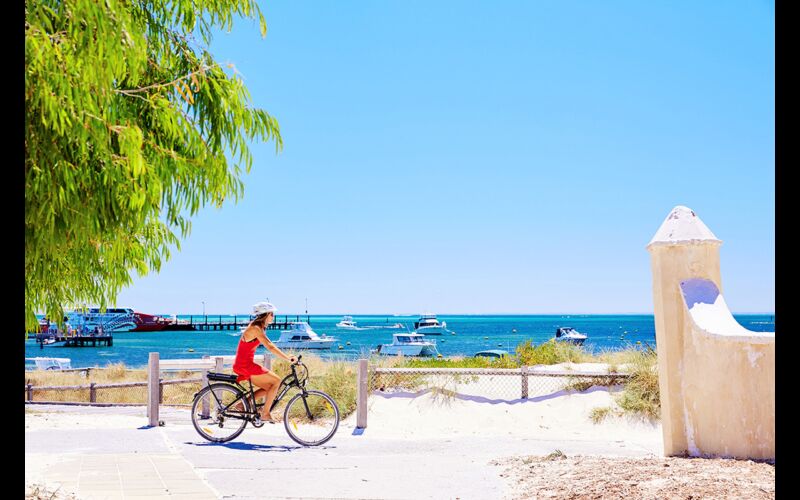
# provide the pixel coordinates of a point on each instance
(261, 320)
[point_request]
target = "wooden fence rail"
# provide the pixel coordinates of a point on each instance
(93, 387)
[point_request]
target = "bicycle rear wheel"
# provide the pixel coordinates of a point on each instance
(311, 418)
(224, 414)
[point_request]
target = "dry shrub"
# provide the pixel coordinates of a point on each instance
(335, 378)
(116, 373)
(599, 414)
(640, 396)
(550, 353)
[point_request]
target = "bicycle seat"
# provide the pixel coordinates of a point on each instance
(223, 377)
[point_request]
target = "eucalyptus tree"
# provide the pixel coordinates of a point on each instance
(131, 127)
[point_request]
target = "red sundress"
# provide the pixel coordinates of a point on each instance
(243, 364)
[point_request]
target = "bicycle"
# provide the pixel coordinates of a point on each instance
(311, 417)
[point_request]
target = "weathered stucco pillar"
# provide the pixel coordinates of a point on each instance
(715, 377)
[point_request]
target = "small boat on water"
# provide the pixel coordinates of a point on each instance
(408, 344)
(53, 342)
(569, 334)
(42, 363)
(492, 353)
(428, 324)
(299, 335)
(347, 323)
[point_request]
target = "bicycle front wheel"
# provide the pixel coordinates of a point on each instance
(219, 412)
(311, 418)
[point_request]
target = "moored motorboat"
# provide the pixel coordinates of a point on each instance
(53, 341)
(43, 363)
(299, 335)
(408, 344)
(428, 324)
(569, 334)
(347, 323)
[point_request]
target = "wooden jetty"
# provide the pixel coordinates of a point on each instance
(76, 340)
(236, 324)
(88, 340)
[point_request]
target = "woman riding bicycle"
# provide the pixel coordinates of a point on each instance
(246, 368)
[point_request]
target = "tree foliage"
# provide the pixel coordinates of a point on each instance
(131, 127)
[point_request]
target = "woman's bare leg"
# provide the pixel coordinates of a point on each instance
(269, 383)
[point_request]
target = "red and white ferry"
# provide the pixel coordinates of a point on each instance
(116, 320)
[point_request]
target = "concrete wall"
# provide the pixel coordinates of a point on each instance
(717, 379)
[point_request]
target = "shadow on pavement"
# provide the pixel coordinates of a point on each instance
(258, 447)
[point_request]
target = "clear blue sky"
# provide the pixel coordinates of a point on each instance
(488, 157)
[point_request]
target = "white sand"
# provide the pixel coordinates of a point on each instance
(578, 367)
(564, 416)
(492, 406)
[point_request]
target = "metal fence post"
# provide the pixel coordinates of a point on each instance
(524, 371)
(92, 393)
(152, 389)
(362, 389)
(160, 391)
(204, 402)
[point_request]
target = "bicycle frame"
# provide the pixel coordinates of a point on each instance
(286, 384)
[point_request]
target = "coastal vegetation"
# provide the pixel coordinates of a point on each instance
(639, 396)
(529, 354)
(131, 127)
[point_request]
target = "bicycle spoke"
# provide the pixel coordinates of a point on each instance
(215, 415)
(311, 418)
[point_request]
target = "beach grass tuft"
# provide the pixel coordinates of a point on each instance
(460, 362)
(640, 396)
(550, 353)
(556, 455)
(600, 413)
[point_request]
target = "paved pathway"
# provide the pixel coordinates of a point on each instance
(265, 463)
(131, 475)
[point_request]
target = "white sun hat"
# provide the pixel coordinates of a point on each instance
(263, 308)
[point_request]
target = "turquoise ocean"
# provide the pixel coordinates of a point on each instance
(472, 334)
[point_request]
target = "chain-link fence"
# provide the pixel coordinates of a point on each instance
(486, 383)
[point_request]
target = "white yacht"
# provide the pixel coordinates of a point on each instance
(301, 336)
(347, 323)
(569, 334)
(408, 344)
(427, 324)
(48, 363)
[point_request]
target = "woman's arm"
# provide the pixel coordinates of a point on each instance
(266, 342)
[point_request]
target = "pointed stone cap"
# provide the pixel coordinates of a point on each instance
(682, 226)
